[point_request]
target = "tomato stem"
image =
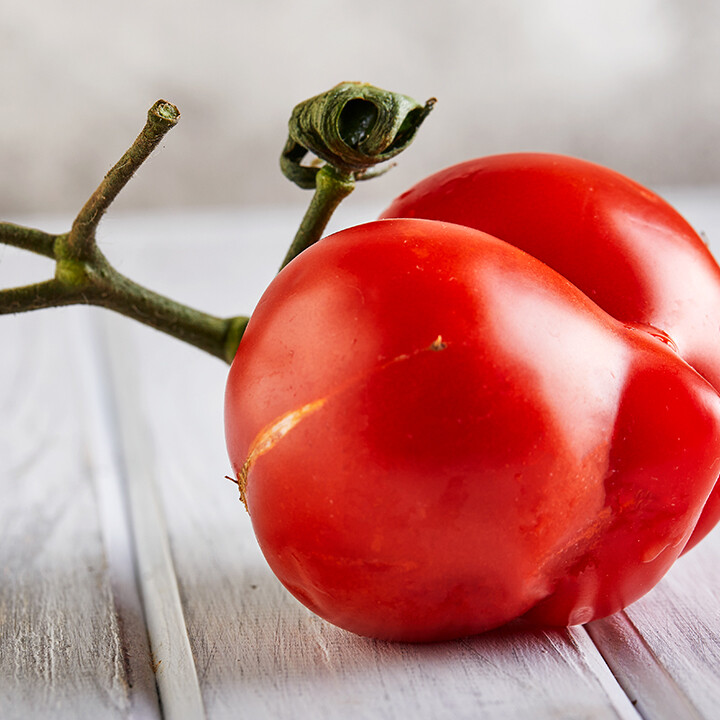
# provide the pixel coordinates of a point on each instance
(353, 127)
(331, 188)
(161, 118)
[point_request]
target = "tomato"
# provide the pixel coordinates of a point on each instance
(436, 433)
(622, 245)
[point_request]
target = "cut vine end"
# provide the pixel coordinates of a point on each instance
(164, 110)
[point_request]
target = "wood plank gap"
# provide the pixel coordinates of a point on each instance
(620, 700)
(644, 679)
(114, 520)
(173, 661)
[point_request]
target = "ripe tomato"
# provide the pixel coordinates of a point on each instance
(436, 433)
(622, 245)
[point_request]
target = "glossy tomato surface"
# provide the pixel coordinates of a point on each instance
(437, 433)
(621, 244)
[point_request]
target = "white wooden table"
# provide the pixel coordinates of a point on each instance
(132, 586)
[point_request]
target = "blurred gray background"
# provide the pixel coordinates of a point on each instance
(632, 84)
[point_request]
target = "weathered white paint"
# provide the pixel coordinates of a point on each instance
(71, 642)
(665, 649)
(172, 657)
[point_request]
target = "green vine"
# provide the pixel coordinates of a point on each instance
(351, 127)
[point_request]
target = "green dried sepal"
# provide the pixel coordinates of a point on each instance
(352, 127)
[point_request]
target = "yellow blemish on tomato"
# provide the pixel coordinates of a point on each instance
(269, 436)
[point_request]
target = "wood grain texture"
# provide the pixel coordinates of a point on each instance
(258, 651)
(665, 649)
(172, 657)
(71, 635)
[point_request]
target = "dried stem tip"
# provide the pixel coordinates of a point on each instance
(164, 111)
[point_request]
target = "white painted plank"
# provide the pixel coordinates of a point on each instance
(258, 652)
(113, 513)
(72, 640)
(665, 649)
(172, 657)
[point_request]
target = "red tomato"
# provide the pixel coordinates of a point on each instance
(622, 245)
(436, 433)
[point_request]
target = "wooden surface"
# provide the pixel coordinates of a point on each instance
(132, 586)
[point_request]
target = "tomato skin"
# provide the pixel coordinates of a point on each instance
(438, 434)
(621, 244)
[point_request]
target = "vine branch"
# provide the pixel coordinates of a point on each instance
(83, 275)
(27, 238)
(161, 118)
(352, 128)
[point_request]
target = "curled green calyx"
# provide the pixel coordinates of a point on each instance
(352, 127)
